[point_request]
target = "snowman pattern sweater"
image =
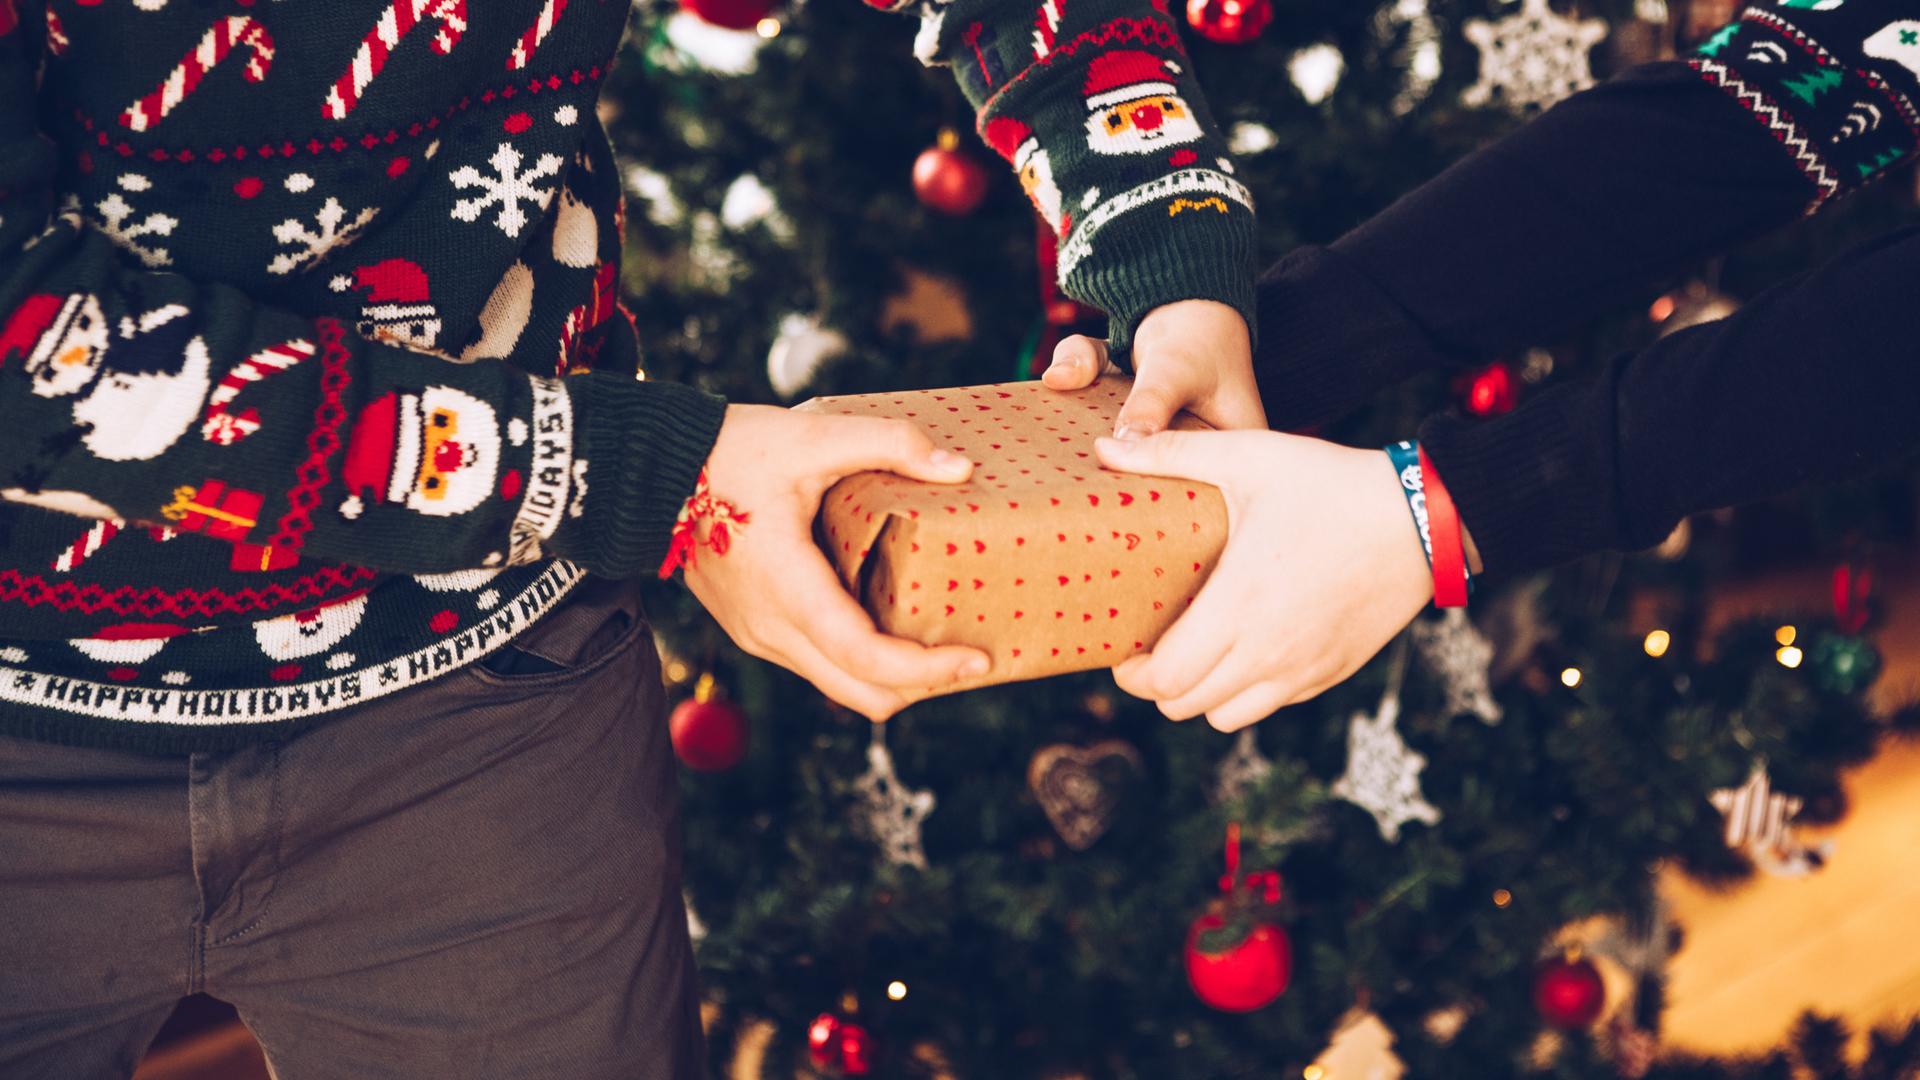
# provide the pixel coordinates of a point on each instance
(311, 354)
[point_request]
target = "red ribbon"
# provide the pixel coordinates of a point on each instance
(1264, 882)
(722, 518)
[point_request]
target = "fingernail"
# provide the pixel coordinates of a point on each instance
(974, 668)
(1127, 433)
(947, 459)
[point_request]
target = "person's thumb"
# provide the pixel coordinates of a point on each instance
(896, 446)
(1151, 405)
(1189, 455)
(1077, 362)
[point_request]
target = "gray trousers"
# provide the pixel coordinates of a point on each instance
(478, 878)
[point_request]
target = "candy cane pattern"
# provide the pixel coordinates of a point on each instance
(57, 41)
(227, 428)
(400, 17)
(90, 542)
(222, 38)
(1046, 27)
(529, 41)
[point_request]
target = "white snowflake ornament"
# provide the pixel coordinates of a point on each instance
(1531, 58)
(891, 812)
(1383, 775)
(1461, 656)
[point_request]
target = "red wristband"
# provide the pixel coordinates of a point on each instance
(1449, 551)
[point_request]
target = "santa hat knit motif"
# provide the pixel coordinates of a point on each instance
(370, 453)
(29, 322)
(396, 291)
(1011, 139)
(1126, 75)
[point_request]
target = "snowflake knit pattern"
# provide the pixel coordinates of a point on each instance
(310, 349)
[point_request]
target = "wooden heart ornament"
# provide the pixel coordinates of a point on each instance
(1079, 786)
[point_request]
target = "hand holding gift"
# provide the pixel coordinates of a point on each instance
(1322, 568)
(1041, 559)
(1192, 355)
(774, 594)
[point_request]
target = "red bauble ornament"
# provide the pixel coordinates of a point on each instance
(1491, 391)
(839, 1046)
(731, 14)
(1569, 994)
(709, 734)
(1229, 22)
(1239, 958)
(1853, 598)
(1238, 977)
(948, 180)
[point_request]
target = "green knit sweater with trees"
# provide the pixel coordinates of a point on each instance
(316, 376)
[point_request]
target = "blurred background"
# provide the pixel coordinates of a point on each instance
(1031, 884)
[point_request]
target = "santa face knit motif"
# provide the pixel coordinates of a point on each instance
(311, 353)
(1094, 104)
(1833, 82)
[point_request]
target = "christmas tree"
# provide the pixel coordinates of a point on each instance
(1434, 861)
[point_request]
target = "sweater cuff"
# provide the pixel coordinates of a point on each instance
(1333, 339)
(1533, 487)
(639, 446)
(1138, 262)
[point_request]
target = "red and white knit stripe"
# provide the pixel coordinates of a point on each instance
(89, 542)
(227, 428)
(234, 31)
(57, 42)
(400, 17)
(1046, 27)
(524, 48)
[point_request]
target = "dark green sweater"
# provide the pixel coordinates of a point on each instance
(311, 356)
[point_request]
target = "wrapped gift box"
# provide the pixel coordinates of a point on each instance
(1045, 560)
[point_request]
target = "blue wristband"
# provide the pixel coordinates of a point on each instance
(1405, 456)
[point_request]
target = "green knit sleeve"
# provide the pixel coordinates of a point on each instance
(1094, 104)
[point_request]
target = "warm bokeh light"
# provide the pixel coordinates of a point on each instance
(1570, 678)
(1789, 656)
(896, 990)
(1658, 642)
(768, 28)
(1501, 898)
(1786, 635)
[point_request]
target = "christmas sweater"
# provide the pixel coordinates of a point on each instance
(311, 353)
(1611, 194)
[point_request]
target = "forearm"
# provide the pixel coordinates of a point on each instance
(1810, 383)
(1095, 106)
(1613, 189)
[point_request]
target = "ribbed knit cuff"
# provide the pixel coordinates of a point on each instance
(1533, 487)
(1141, 266)
(1331, 339)
(644, 444)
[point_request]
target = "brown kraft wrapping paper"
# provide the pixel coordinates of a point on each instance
(1045, 560)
